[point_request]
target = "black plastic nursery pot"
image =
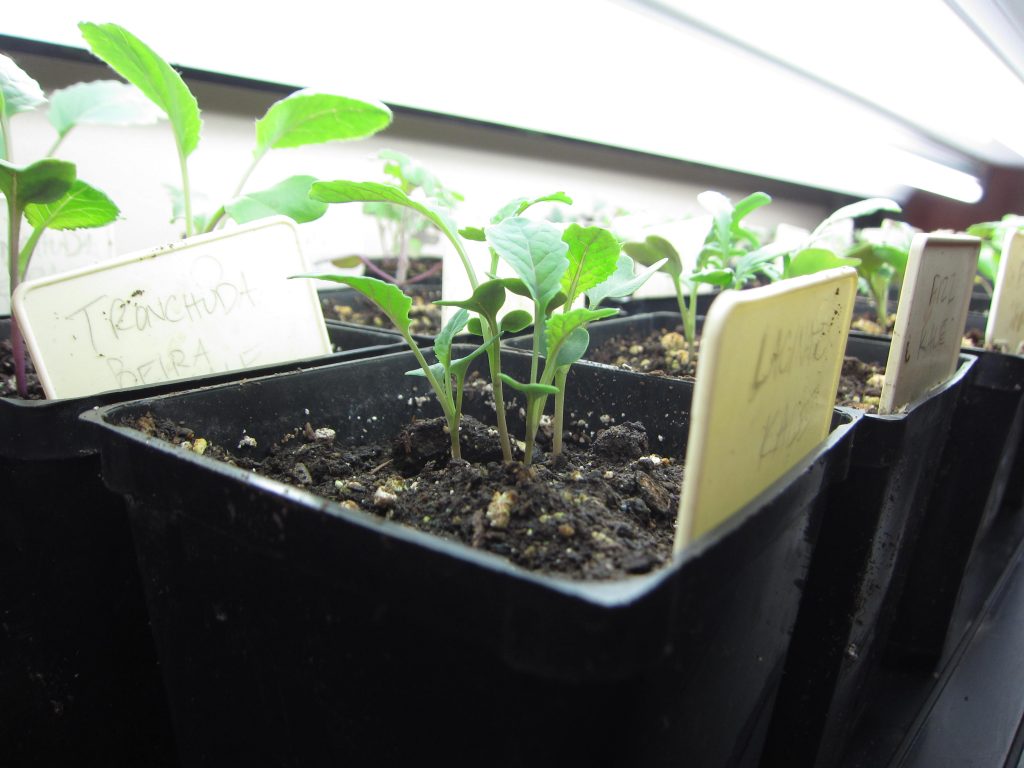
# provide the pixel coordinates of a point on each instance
(294, 631)
(867, 541)
(868, 537)
(348, 305)
(79, 682)
(979, 460)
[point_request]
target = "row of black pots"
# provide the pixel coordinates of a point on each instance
(294, 631)
(78, 675)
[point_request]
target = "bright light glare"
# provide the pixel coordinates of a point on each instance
(922, 173)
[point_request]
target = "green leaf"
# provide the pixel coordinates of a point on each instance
(81, 207)
(856, 210)
(515, 321)
(622, 282)
(811, 260)
(140, 65)
(529, 389)
(43, 181)
(560, 326)
(289, 197)
(654, 249)
(101, 102)
(307, 117)
(487, 299)
(719, 277)
(519, 206)
(436, 369)
(374, 192)
(18, 91)
(748, 205)
(443, 340)
(346, 262)
(473, 233)
(593, 256)
(387, 296)
(474, 327)
(876, 257)
(536, 253)
(573, 348)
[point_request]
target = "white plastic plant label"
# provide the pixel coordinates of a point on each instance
(213, 303)
(1005, 327)
(770, 360)
(930, 318)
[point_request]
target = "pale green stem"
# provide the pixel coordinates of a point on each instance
(6, 150)
(186, 191)
(53, 147)
(451, 414)
(559, 424)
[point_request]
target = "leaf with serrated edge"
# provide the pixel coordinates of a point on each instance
(561, 325)
(81, 207)
(307, 117)
(140, 65)
(593, 256)
(622, 282)
(387, 296)
(289, 198)
(100, 102)
(536, 253)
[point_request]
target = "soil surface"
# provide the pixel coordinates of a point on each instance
(425, 316)
(604, 509)
(8, 385)
(667, 353)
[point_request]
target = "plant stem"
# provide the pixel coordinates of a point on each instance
(687, 311)
(402, 255)
(17, 342)
(560, 376)
(451, 414)
(6, 150)
(425, 274)
(53, 147)
(498, 391)
(186, 192)
(215, 219)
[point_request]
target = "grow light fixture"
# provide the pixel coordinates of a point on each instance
(921, 173)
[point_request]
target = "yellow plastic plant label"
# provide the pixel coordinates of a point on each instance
(770, 360)
(1005, 328)
(930, 318)
(213, 303)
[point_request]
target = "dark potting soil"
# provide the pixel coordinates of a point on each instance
(604, 509)
(8, 384)
(425, 316)
(667, 353)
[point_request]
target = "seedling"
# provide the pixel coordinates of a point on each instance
(402, 232)
(882, 255)
(993, 236)
(553, 268)
(303, 118)
(731, 257)
(47, 193)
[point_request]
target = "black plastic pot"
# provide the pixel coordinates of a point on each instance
(295, 632)
(979, 460)
(867, 542)
(661, 304)
(338, 303)
(79, 682)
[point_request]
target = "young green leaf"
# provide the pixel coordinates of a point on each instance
(529, 389)
(443, 340)
(306, 117)
(560, 326)
(487, 299)
(289, 197)
(655, 249)
(18, 91)
(81, 207)
(374, 192)
(387, 296)
(43, 181)
(718, 277)
(100, 102)
(473, 233)
(515, 321)
(573, 347)
(593, 255)
(811, 260)
(535, 251)
(520, 205)
(856, 210)
(622, 282)
(140, 65)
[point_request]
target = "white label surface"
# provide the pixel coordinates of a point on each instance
(1005, 328)
(770, 360)
(209, 304)
(930, 318)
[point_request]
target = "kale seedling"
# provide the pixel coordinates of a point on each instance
(403, 232)
(47, 193)
(553, 269)
(303, 118)
(730, 258)
(882, 253)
